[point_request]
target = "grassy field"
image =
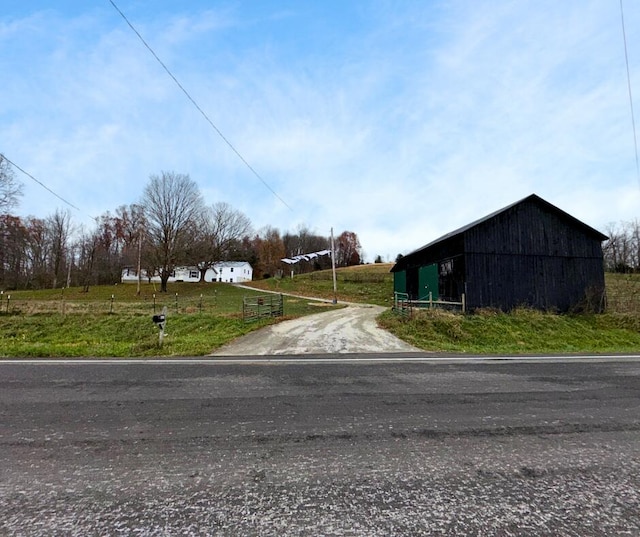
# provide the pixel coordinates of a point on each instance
(623, 293)
(519, 332)
(487, 332)
(371, 284)
(114, 321)
(527, 331)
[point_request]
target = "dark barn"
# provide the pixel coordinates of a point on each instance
(528, 254)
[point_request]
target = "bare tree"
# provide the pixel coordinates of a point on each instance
(37, 252)
(303, 241)
(622, 249)
(348, 250)
(173, 207)
(10, 189)
(221, 228)
(634, 234)
(58, 229)
(13, 259)
(270, 249)
(132, 228)
(87, 246)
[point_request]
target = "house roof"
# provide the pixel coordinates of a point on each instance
(231, 264)
(532, 198)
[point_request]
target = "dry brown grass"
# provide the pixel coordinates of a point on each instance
(623, 293)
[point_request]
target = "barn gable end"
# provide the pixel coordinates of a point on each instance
(527, 254)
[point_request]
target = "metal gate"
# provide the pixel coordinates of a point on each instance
(258, 307)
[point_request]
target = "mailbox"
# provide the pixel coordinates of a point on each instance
(160, 321)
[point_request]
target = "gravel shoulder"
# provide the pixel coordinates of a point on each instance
(352, 329)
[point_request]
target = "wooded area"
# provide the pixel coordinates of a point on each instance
(622, 250)
(170, 226)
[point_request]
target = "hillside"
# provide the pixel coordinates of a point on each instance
(521, 331)
(371, 284)
(114, 321)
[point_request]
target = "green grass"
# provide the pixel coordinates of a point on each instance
(487, 332)
(114, 321)
(623, 293)
(185, 297)
(372, 284)
(519, 332)
(200, 319)
(74, 335)
(525, 331)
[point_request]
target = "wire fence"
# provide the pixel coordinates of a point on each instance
(147, 305)
(623, 294)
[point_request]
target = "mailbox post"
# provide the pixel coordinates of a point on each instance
(161, 321)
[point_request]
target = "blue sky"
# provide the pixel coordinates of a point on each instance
(400, 121)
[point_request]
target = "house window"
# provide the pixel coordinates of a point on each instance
(193, 274)
(231, 269)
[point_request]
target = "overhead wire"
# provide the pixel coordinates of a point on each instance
(197, 106)
(633, 120)
(42, 184)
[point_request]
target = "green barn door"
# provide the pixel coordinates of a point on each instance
(428, 281)
(400, 282)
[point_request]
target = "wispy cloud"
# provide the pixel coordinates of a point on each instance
(397, 122)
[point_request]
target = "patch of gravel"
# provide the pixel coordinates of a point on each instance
(348, 330)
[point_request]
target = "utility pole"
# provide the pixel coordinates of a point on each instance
(69, 268)
(139, 258)
(333, 269)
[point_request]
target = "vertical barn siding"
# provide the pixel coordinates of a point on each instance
(529, 253)
(412, 282)
(531, 256)
(508, 281)
(528, 229)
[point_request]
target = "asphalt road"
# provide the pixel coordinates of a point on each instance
(320, 449)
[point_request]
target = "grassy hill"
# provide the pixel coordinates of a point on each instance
(115, 321)
(372, 284)
(487, 332)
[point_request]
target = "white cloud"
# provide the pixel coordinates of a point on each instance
(399, 124)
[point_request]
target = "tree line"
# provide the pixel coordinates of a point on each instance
(170, 226)
(622, 250)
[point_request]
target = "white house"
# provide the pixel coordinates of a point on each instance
(232, 272)
(223, 271)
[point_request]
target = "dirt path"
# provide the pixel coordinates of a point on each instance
(348, 330)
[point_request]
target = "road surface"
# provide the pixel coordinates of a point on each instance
(181, 448)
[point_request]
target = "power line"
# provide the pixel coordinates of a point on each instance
(41, 184)
(195, 104)
(633, 120)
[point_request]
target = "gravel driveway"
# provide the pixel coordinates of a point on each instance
(352, 329)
